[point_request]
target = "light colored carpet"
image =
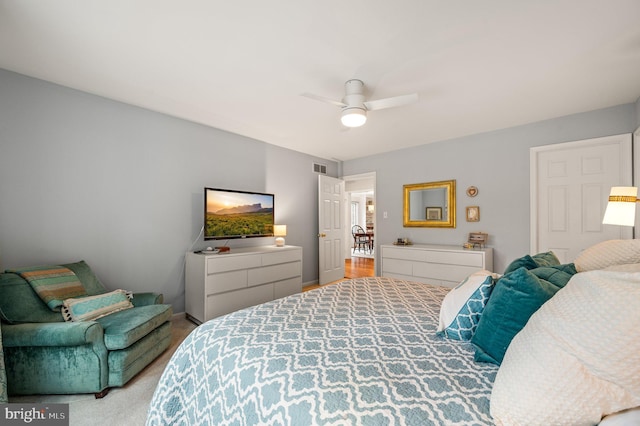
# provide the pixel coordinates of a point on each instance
(122, 406)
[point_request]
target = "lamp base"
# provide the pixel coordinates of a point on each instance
(279, 242)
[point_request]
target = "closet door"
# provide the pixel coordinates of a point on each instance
(570, 185)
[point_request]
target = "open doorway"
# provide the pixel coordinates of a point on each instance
(360, 248)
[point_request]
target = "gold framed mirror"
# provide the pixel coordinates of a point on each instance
(430, 204)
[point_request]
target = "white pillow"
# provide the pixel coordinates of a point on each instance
(607, 253)
(578, 357)
(623, 418)
(630, 267)
(462, 307)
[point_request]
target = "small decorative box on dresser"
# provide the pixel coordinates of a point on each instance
(217, 284)
(434, 264)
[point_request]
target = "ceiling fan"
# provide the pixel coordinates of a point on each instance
(354, 107)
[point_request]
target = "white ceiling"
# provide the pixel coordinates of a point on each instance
(241, 65)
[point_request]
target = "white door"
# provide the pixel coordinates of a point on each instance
(570, 185)
(330, 229)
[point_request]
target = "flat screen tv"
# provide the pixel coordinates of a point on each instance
(237, 214)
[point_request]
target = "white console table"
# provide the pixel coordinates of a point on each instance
(434, 264)
(217, 284)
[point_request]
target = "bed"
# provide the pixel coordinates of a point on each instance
(363, 351)
(542, 343)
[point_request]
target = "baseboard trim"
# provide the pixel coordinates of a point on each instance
(179, 315)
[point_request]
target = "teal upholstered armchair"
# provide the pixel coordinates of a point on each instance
(44, 354)
(3, 376)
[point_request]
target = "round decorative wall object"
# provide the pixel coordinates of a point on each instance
(472, 191)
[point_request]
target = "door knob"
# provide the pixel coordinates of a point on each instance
(322, 235)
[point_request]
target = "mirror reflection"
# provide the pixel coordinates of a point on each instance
(430, 204)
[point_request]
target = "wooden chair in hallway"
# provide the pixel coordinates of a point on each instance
(360, 240)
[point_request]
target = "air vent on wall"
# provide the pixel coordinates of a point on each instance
(320, 168)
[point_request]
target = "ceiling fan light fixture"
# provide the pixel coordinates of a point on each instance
(353, 117)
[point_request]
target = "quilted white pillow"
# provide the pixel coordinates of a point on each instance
(623, 418)
(608, 253)
(578, 357)
(462, 306)
(631, 267)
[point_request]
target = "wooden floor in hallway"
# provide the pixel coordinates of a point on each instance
(357, 267)
(354, 267)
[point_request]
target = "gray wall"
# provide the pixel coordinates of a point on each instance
(496, 162)
(83, 177)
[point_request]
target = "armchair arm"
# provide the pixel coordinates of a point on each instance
(146, 299)
(52, 334)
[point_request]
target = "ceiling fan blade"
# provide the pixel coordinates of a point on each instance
(396, 101)
(323, 99)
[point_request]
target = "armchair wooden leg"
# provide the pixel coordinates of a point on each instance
(102, 393)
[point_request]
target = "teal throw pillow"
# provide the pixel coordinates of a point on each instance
(463, 305)
(531, 262)
(516, 297)
(92, 307)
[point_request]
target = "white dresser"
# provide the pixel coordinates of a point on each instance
(217, 284)
(434, 264)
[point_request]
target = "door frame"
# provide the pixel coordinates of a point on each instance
(356, 177)
(623, 139)
(636, 171)
(333, 233)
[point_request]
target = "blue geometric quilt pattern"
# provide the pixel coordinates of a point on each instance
(361, 352)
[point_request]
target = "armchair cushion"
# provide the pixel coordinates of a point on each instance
(147, 298)
(124, 328)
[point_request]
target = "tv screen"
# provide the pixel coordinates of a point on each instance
(237, 214)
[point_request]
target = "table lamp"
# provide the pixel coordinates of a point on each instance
(621, 209)
(280, 231)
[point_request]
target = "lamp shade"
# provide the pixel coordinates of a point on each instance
(280, 231)
(621, 209)
(353, 117)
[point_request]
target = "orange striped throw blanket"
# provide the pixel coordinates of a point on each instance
(52, 284)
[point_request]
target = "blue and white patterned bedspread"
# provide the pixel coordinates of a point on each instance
(361, 352)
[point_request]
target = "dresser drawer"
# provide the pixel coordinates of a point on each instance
(454, 258)
(224, 262)
(402, 253)
(287, 287)
(226, 281)
(443, 271)
(281, 257)
(221, 304)
(268, 274)
(397, 266)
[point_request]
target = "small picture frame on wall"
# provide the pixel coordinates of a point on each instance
(472, 191)
(473, 214)
(434, 213)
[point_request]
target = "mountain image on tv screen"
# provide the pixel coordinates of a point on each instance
(235, 214)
